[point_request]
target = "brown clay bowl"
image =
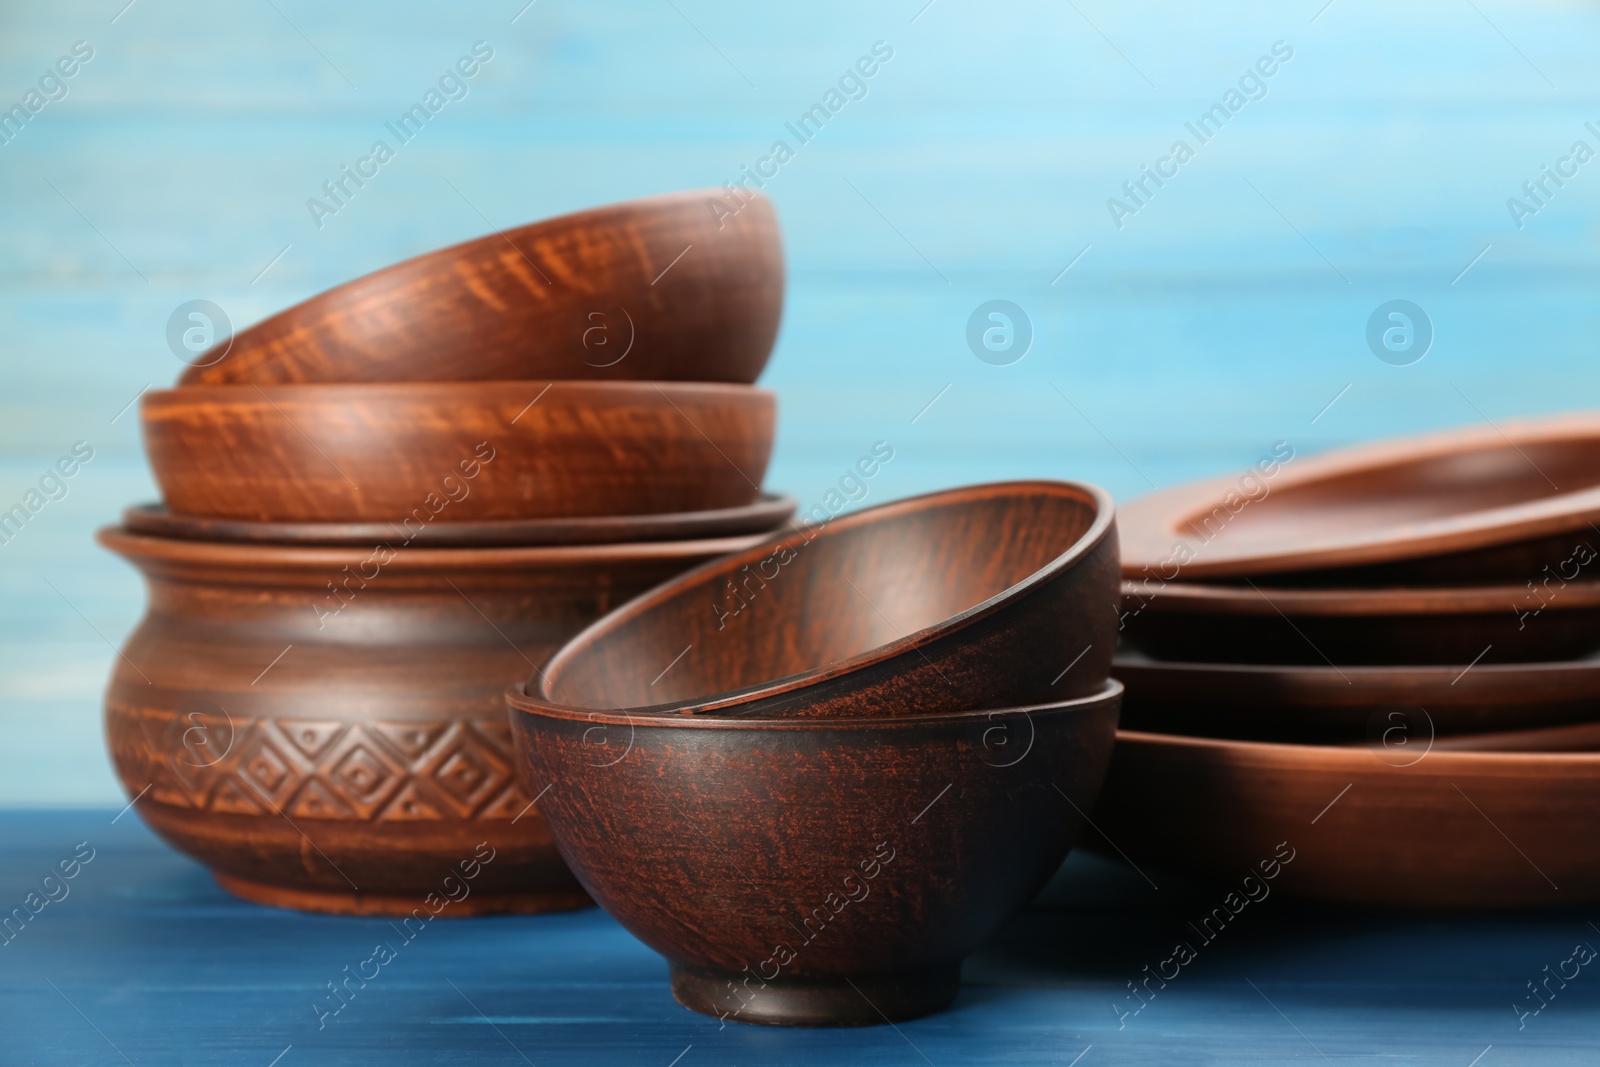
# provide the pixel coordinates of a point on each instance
(325, 728)
(768, 512)
(415, 453)
(1391, 706)
(990, 596)
(1574, 737)
(657, 289)
(811, 872)
(1483, 504)
(1426, 625)
(1451, 830)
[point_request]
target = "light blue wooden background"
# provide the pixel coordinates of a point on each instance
(1222, 318)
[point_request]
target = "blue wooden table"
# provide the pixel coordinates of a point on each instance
(144, 961)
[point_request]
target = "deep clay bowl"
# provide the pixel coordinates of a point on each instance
(811, 872)
(1253, 623)
(456, 451)
(1482, 504)
(671, 288)
(325, 728)
(1393, 706)
(1448, 830)
(998, 595)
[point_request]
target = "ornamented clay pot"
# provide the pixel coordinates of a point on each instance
(324, 727)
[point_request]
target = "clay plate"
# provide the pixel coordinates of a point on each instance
(415, 453)
(667, 288)
(990, 596)
(1490, 504)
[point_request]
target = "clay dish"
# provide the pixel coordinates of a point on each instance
(810, 872)
(990, 596)
(1322, 704)
(1450, 830)
(419, 453)
(667, 289)
(768, 512)
(1456, 494)
(1426, 625)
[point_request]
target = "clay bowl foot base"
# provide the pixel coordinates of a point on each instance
(353, 903)
(859, 1000)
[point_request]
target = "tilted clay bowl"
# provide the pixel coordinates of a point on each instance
(1322, 704)
(770, 511)
(815, 872)
(1258, 623)
(325, 728)
(1368, 825)
(456, 451)
(1482, 504)
(671, 288)
(996, 595)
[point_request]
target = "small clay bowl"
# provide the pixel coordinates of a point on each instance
(425, 452)
(1448, 830)
(1427, 625)
(810, 872)
(768, 512)
(325, 727)
(996, 595)
(1488, 504)
(682, 287)
(1323, 705)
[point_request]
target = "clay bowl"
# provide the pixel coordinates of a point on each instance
(810, 872)
(1483, 504)
(990, 596)
(325, 728)
(1451, 830)
(1393, 706)
(668, 288)
(1433, 625)
(417, 453)
(768, 512)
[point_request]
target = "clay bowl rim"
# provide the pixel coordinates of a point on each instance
(1152, 523)
(446, 254)
(519, 701)
(423, 557)
(493, 533)
(1330, 759)
(491, 388)
(1103, 524)
(1204, 598)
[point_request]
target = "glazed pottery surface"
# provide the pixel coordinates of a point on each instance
(1367, 825)
(989, 596)
(1485, 504)
(1321, 704)
(325, 728)
(456, 451)
(765, 514)
(1254, 623)
(664, 288)
(812, 872)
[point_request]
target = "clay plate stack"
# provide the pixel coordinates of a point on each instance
(1382, 659)
(383, 505)
(817, 773)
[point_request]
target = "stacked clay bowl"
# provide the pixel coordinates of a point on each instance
(817, 773)
(1384, 660)
(384, 505)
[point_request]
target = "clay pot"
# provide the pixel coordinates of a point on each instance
(324, 727)
(669, 288)
(998, 595)
(458, 451)
(815, 872)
